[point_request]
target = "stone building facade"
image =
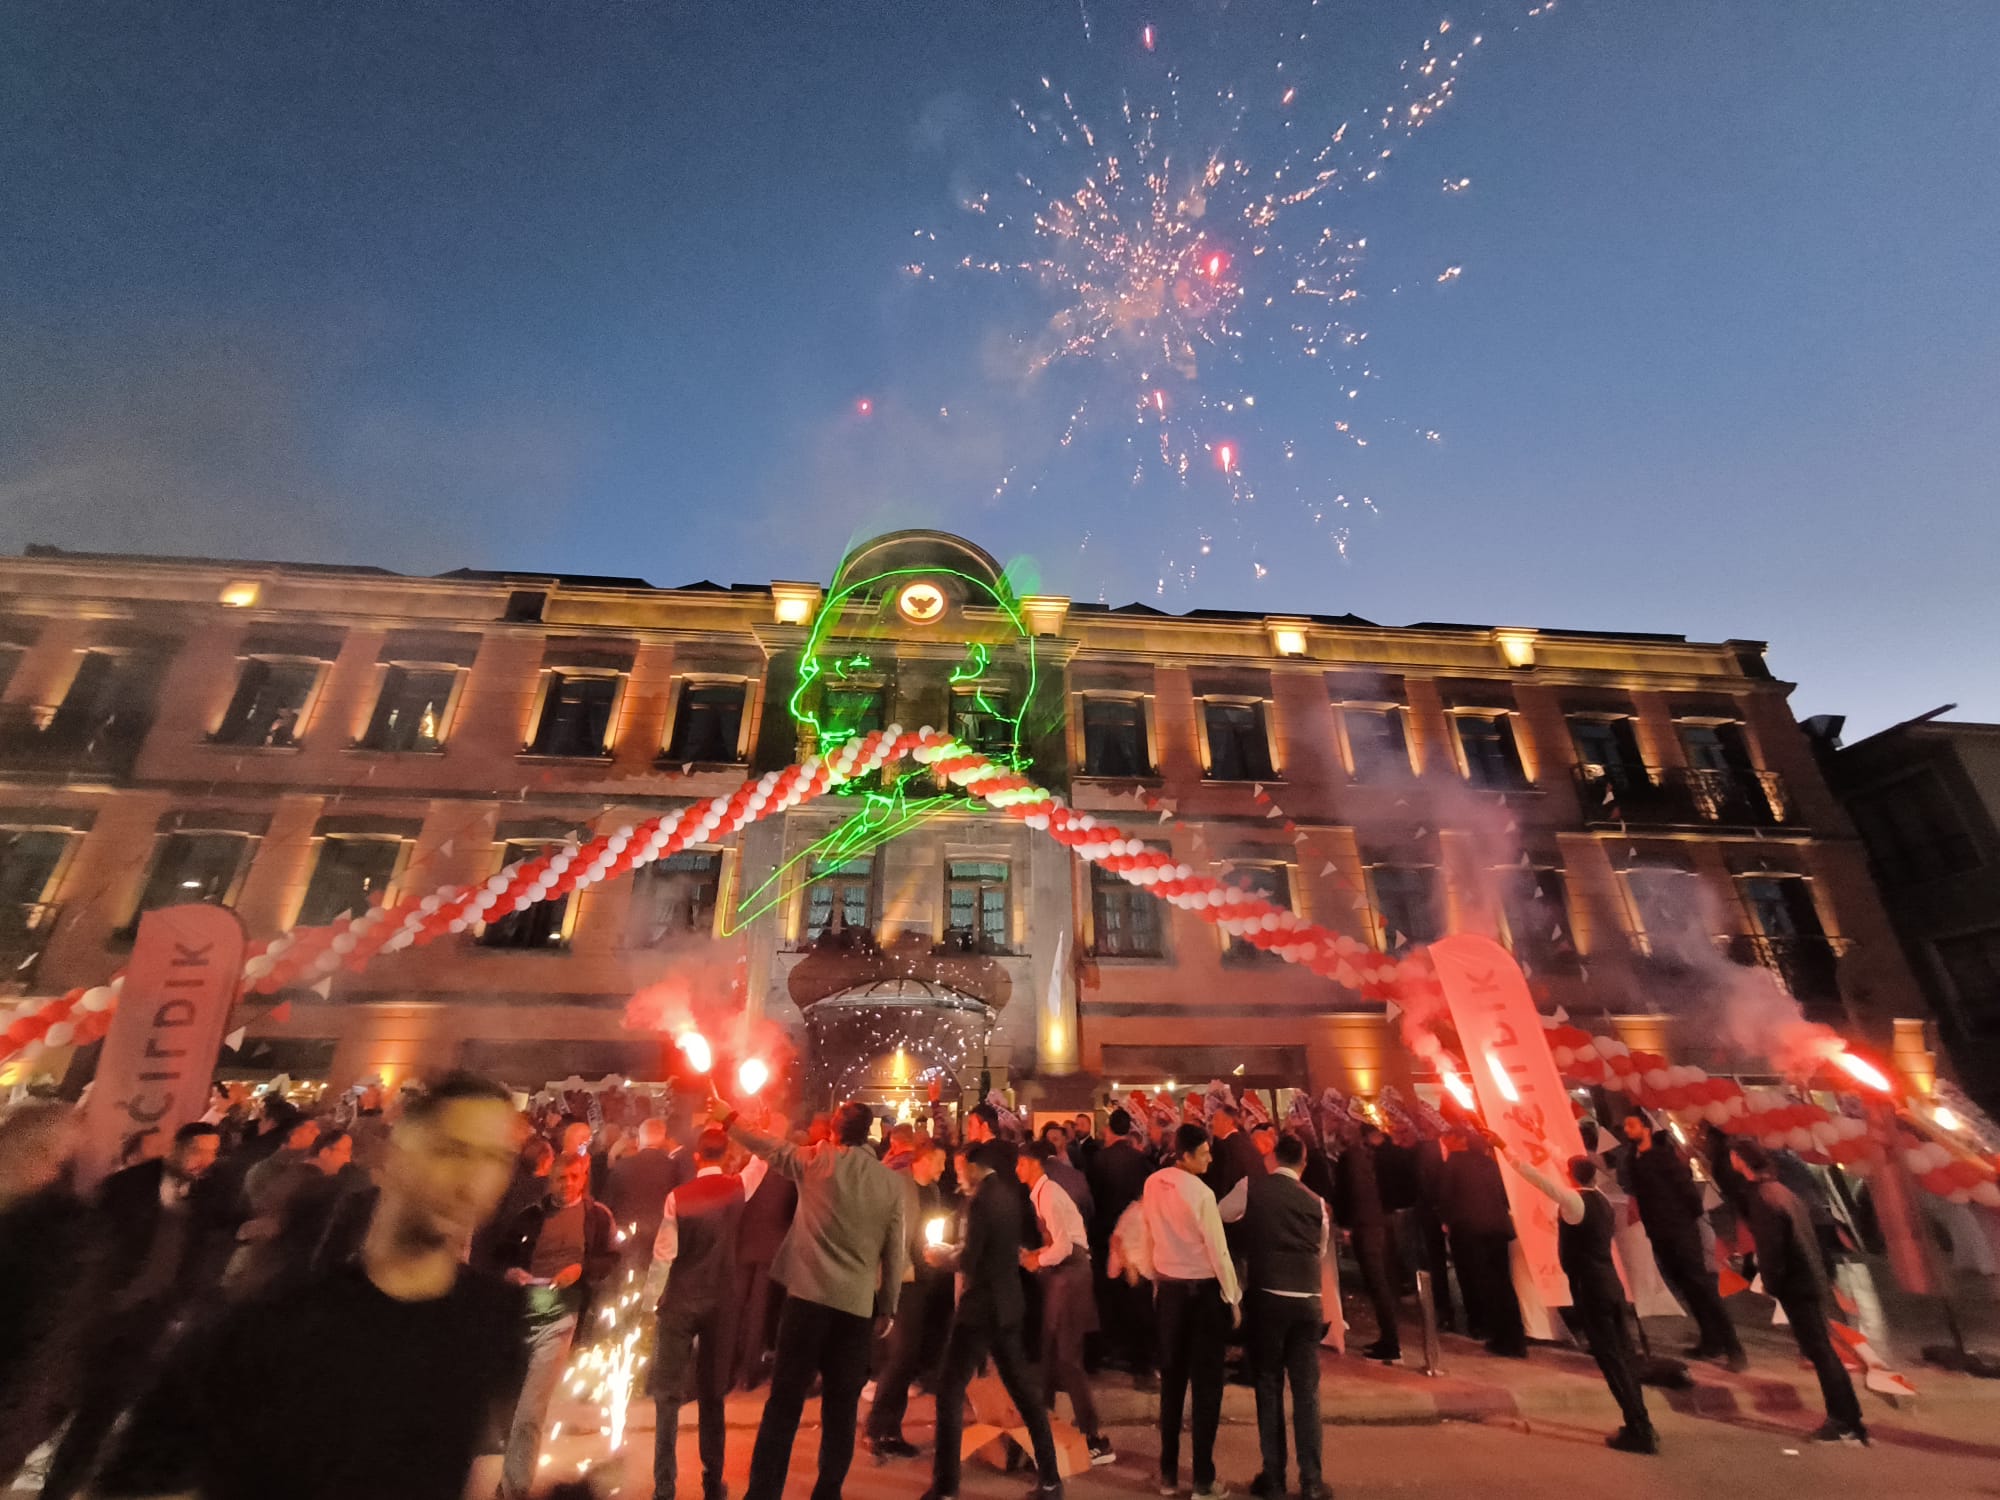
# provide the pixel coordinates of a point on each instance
(1638, 817)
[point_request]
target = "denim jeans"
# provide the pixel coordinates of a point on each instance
(548, 1352)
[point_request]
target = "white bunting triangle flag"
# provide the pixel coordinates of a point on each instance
(234, 1041)
(1327, 868)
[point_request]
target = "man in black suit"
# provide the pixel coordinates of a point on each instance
(1118, 1174)
(637, 1187)
(988, 1319)
(156, 1227)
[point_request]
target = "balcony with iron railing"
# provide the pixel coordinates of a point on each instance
(105, 746)
(25, 930)
(1682, 796)
(1807, 966)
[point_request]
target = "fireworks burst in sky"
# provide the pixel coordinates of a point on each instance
(1202, 235)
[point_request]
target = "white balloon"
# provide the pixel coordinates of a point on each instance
(60, 1034)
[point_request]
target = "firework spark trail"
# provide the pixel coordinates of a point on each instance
(1175, 246)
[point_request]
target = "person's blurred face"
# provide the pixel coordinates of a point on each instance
(970, 1172)
(928, 1167)
(192, 1157)
(1199, 1159)
(977, 1130)
(302, 1136)
(575, 1138)
(445, 1175)
(1636, 1131)
(1082, 1129)
(1266, 1141)
(652, 1135)
(1028, 1169)
(572, 1179)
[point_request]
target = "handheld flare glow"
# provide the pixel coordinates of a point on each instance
(1499, 1069)
(1459, 1089)
(694, 1047)
(1943, 1117)
(934, 1231)
(752, 1074)
(1863, 1072)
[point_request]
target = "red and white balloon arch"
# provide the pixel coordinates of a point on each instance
(1408, 983)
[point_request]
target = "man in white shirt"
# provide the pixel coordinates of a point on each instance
(1061, 1262)
(1196, 1302)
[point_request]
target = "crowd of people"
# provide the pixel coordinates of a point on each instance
(370, 1304)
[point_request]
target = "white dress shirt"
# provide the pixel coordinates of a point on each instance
(1186, 1231)
(1237, 1201)
(1062, 1222)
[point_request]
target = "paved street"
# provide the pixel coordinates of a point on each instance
(1703, 1456)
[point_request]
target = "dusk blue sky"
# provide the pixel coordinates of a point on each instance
(595, 285)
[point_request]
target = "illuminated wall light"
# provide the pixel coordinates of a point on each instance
(794, 603)
(1288, 639)
(1517, 647)
(1046, 613)
(241, 593)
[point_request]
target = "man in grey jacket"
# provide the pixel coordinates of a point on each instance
(841, 1262)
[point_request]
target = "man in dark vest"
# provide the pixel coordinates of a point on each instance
(694, 1256)
(988, 1319)
(1285, 1226)
(1669, 1200)
(1583, 1244)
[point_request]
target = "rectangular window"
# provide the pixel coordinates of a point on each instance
(29, 858)
(841, 897)
(1914, 831)
(1605, 744)
(847, 713)
(1114, 738)
(107, 703)
(979, 719)
(536, 928)
(1406, 906)
(1273, 883)
(1376, 741)
(1666, 902)
(1125, 920)
(350, 875)
(1536, 911)
(1238, 748)
(410, 713)
(1715, 747)
(675, 896)
(708, 723)
(576, 716)
(976, 905)
(1491, 758)
(1971, 964)
(1781, 906)
(195, 867)
(269, 703)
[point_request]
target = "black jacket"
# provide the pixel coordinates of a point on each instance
(990, 1259)
(1662, 1184)
(1473, 1195)
(600, 1246)
(1235, 1159)
(1118, 1176)
(129, 1206)
(638, 1188)
(1787, 1248)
